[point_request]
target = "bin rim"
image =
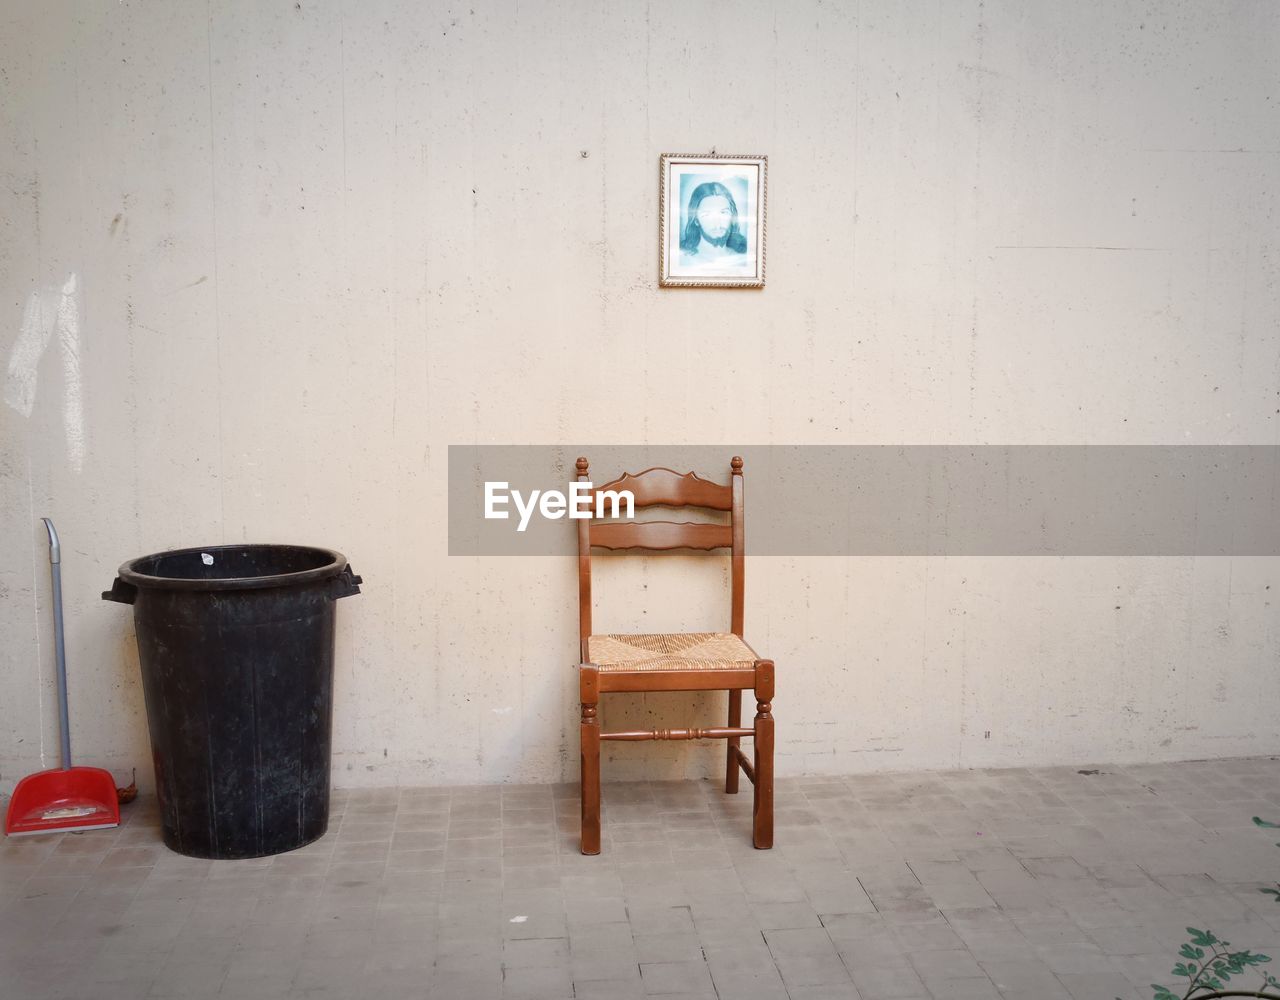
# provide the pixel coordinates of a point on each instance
(336, 563)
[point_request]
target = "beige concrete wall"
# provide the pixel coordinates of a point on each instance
(300, 248)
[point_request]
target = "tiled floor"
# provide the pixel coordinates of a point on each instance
(1035, 884)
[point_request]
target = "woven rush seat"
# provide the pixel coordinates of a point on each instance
(670, 651)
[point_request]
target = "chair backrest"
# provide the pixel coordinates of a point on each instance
(661, 487)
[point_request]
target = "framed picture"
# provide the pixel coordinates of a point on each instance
(711, 221)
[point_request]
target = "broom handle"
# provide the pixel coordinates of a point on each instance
(59, 644)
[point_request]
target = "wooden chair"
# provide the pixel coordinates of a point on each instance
(698, 661)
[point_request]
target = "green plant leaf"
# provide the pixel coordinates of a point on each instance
(1208, 974)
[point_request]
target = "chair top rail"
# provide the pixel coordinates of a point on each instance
(665, 487)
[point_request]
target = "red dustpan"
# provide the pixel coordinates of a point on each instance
(70, 798)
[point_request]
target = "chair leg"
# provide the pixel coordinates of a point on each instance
(762, 807)
(731, 766)
(590, 742)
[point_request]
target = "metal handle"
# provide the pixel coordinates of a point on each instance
(59, 643)
(55, 549)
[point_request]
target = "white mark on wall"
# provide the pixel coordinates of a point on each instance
(48, 310)
(24, 358)
(502, 711)
(73, 398)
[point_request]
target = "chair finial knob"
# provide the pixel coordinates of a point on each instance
(736, 464)
(582, 466)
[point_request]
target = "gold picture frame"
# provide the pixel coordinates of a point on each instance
(711, 220)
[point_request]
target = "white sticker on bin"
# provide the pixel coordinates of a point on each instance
(206, 558)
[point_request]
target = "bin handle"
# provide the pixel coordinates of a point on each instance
(121, 592)
(345, 584)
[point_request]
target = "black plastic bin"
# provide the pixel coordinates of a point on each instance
(236, 648)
